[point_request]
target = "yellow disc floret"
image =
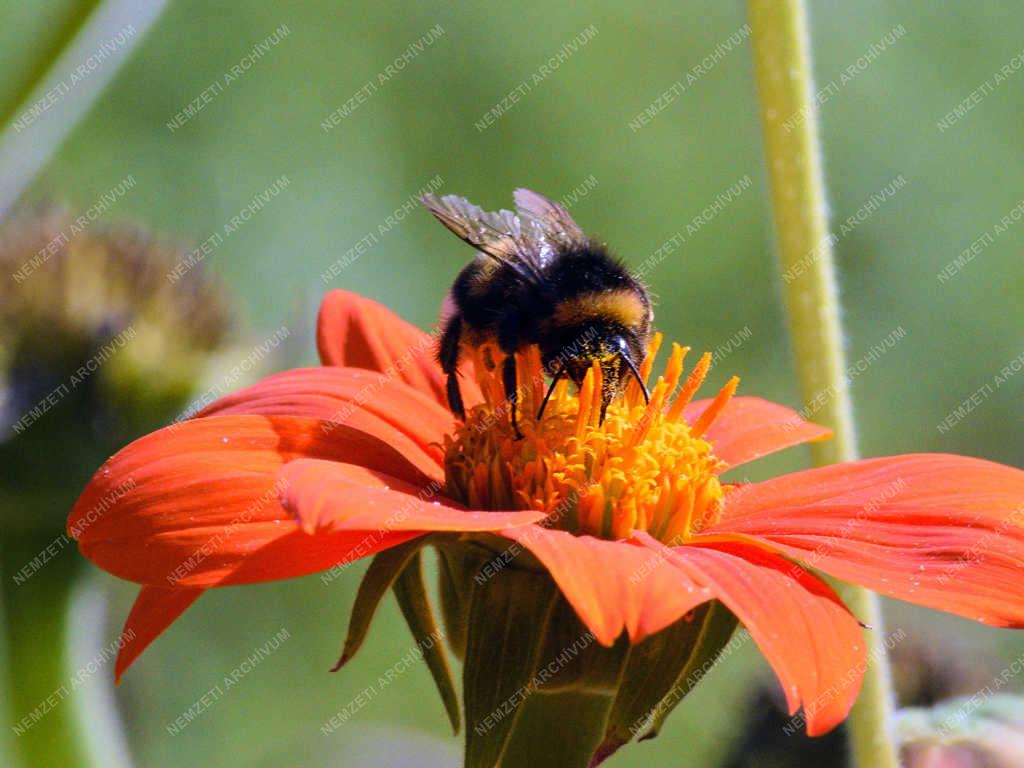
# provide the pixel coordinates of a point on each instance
(646, 467)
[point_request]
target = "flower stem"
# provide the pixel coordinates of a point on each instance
(34, 630)
(789, 122)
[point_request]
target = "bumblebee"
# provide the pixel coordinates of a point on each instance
(537, 279)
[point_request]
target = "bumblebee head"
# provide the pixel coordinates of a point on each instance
(618, 351)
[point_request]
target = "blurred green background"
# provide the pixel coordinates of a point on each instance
(568, 131)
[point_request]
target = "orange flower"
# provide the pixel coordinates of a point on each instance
(315, 467)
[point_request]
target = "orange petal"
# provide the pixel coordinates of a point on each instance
(613, 585)
(803, 629)
(352, 396)
(155, 609)
(197, 504)
(938, 530)
(749, 427)
(356, 332)
(329, 496)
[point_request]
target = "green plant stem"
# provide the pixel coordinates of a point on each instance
(789, 124)
(34, 630)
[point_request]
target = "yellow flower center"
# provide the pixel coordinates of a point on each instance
(645, 467)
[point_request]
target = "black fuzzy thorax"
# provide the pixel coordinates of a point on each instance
(517, 310)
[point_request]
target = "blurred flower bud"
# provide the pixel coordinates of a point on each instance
(985, 730)
(109, 311)
(105, 332)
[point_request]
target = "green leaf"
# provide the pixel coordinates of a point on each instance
(719, 625)
(415, 605)
(382, 573)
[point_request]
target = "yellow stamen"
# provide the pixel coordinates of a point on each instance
(711, 413)
(644, 468)
(648, 363)
(692, 384)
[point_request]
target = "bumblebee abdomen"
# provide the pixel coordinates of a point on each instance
(590, 285)
(622, 306)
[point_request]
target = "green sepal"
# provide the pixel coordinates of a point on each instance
(415, 604)
(572, 659)
(561, 729)
(652, 668)
(573, 685)
(382, 573)
(507, 614)
(456, 586)
(719, 626)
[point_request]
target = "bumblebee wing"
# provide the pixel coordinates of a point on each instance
(556, 226)
(501, 235)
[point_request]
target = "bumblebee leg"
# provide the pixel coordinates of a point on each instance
(448, 356)
(509, 378)
(551, 389)
(455, 396)
(636, 375)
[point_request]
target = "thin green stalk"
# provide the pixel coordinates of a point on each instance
(789, 122)
(113, 27)
(39, 679)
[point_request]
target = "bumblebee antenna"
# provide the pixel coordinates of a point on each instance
(551, 389)
(636, 374)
